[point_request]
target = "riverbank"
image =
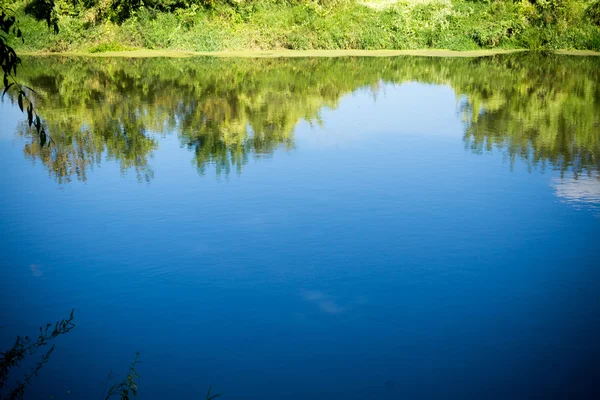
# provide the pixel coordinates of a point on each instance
(145, 53)
(259, 26)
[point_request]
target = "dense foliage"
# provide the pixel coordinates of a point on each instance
(544, 109)
(206, 25)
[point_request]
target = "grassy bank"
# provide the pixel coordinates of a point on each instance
(145, 53)
(216, 25)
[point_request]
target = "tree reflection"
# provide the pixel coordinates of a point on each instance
(544, 109)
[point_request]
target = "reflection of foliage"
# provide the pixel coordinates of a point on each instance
(548, 112)
(128, 387)
(212, 396)
(25, 346)
(222, 109)
(545, 108)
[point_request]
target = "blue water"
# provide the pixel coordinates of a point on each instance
(378, 258)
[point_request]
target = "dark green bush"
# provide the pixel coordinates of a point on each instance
(593, 12)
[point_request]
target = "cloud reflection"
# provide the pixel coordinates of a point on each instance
(582, 191)
(323, 302)
(35, 270)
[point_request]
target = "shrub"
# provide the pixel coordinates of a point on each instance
(593, 12)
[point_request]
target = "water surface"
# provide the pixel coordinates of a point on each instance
(352, 228)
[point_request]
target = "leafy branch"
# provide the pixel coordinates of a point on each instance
(25, 346)
(214, 396)
(9, 60)
(128, 385)
(25, 103)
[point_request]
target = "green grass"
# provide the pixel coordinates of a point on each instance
(325, 25)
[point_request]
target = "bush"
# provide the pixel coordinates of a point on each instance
(317, 24)
(593, 12)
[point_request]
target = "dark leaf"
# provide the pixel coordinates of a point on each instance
(30, 89)
(20, 101)
(214, 396)
(6, 88)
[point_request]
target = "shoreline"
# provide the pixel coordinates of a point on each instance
(145, 53)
